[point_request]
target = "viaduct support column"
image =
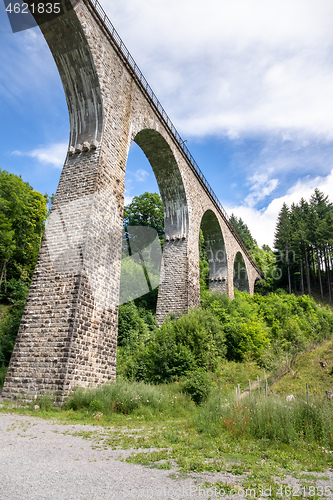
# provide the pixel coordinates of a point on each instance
(173, 290)
(68, 331)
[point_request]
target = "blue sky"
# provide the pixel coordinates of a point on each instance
(248, 84)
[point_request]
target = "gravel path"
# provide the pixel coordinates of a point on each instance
(41, 460)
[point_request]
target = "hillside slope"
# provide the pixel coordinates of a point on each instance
(314, 368)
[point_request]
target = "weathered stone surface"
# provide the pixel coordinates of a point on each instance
(68, 332)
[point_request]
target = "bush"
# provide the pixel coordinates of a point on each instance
(15, 291)
(3, 371)
(134, 326)
(197, 385)
(265, 327)
(195, 340)
(9, 326)
(247, 335)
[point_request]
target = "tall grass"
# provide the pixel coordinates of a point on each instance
(130, 397)
(272, 419)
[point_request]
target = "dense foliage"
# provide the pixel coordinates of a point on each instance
(145, 210)
(304, 243)
(142, 249)
(265, 329)
(260, 328)
(22, 215)
(244, 232)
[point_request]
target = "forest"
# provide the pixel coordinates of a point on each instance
(303, 248)
(23, 212)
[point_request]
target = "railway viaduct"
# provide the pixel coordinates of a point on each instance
(68, 332)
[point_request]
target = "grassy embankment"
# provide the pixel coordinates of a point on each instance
(260, 441)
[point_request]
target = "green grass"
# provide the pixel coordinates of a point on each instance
(260, 442)
(230, 373)
(307, 370)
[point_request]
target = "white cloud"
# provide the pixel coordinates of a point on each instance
(232, 68)
(262, 223)
(128, 199)
(54, 154)
(261, 187)
(141, 175)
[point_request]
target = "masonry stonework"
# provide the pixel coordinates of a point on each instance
(68, 332)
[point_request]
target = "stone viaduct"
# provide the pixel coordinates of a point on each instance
(68, 332)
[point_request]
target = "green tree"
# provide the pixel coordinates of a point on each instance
(303, 238)
(22, 216)
(320, 207)
(145, 210)
(244, 232)
(282, 242)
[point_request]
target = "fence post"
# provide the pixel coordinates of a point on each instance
(266, 383)
(258, 382)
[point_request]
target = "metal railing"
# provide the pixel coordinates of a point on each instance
(147, 90)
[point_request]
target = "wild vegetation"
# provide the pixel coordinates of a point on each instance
(267, 329)
(23, 213)
(259, 442)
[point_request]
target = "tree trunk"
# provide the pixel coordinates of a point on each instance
(328, 273)
(289, 280)
(307, 268)
(319, 275)
(313, 266)
(302, 276)
(2, 273)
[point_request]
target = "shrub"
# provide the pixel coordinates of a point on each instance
(134, 326)
(195, 340)
(3, 371)
(197, 385)
(9, 326)
(263, 327)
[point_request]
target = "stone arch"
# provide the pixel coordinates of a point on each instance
(173, 288)
(169, 180)
(241, 280)
(72, 55)
(216, 252)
